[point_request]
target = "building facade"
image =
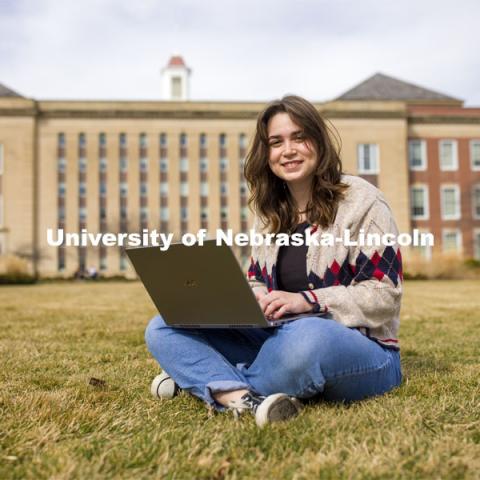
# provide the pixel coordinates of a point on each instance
(177, 166)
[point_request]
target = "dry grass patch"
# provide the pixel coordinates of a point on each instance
(54, 337)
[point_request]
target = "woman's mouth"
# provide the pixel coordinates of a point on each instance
(293, 165)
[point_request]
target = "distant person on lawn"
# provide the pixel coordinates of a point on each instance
(351, 352)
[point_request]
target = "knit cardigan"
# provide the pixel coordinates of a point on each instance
(359, 286)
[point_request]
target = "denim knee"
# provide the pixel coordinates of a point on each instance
(310, 342)
(156, 324)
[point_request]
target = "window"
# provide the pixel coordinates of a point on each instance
(163, 189)
(82, 189)
(476, 201)
(475, 154)
(164, 214)
(448, 155)
(424, 251)
(1, 159)
(103, 189)
(184, 164)
(103, 262)
(184, 189)
(368, 161)
(476, 244)
(204, 213)
(204, 189)
(61, 259)
(224, 189)
(163, 139)
(451, 240)
(123, 139)
(203, 140)
(419, 202)
(417, 154)
(143, 164)
(123, 261)
(183, 139)
(223, 164)
(61, 189)
(242, 140)
(103, 164)
(62, 164)
(82, 140)
(450, 202)
(82, 164)
(143, 140)
(143, 189)
(244, 213)
(224, 213)
(184, 213)
(203, 164)
(123, 189)
(61, 139)
(144, 213)
(164, 165)
(223, 140)
(82, 213)
(123, 164)
(123, 213)
(243, 189)
(102, 139)
(176, 88)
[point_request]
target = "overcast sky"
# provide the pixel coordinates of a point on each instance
(237, 49)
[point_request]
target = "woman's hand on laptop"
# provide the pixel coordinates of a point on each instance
(260, 292)
(277, 303)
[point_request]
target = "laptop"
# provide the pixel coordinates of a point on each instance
(202, 286)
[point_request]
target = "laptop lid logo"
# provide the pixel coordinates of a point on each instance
(190, 283)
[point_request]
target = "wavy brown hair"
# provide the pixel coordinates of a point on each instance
(269, 196)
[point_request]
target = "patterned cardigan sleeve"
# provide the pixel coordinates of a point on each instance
(255, 275)
(373, 293)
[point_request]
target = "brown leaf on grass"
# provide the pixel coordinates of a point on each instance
(97, 382)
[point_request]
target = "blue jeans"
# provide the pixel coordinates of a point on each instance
(303, 358)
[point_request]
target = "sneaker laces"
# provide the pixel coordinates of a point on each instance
(248, 402)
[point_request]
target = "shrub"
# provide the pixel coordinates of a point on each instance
(15, 270)
(441, 266)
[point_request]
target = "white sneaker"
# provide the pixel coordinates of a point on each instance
(163, 386)
(274, 408)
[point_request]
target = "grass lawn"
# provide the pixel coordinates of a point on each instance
(54, 337)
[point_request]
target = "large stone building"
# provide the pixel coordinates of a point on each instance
(176, 166)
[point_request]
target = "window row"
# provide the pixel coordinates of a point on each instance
(143, 190)
(368, 158)
(163, 140)
(452, 242)
(447, 154)
(144, 213)
(450, 202)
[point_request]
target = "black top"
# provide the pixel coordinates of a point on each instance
(292, 265)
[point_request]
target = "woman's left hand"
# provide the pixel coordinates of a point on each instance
(277, 303)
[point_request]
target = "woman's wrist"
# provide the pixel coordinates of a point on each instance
(314, 306)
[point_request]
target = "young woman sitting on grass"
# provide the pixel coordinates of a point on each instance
(351, 352)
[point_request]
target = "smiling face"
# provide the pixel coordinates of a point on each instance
(292, 156)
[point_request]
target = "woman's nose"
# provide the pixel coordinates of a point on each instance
(289, 148)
